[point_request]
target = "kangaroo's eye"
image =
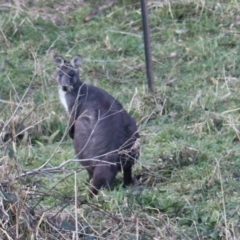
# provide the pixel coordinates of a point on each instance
(71, 74)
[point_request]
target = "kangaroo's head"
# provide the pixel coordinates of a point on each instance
(67, 74)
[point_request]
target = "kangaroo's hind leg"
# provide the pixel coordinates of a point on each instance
(127, 177)
(127, 161)
(103, 176)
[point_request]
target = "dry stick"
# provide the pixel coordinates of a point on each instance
(137, 230)
(5, 38)
(55, 228)
(147, 46)
(76, 200)
(3, 65)
(39, 223)
(8, 102)
(60, 210)
(13, 125)
(12, 85)
(58, 168)
(55, 169)
(223, 196)
(6, 234)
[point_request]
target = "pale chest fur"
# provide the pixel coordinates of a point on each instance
(62, 96)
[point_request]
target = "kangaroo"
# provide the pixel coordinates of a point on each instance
(105, 136)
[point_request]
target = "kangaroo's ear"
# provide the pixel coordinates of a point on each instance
(58, 60)
(76, 61)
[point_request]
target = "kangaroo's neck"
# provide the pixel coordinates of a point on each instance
(72, 100)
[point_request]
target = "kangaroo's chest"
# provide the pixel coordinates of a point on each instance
(62, 96)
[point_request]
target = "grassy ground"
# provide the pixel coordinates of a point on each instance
(190, 155)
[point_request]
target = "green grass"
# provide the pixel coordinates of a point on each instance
(189, 166)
